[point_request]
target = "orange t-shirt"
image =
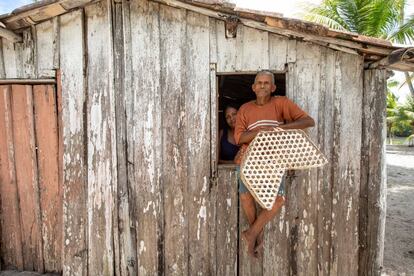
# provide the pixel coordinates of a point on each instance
(278, 111)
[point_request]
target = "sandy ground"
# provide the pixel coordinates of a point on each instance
(399, 227)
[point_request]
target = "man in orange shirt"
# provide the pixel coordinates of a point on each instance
(264, 113)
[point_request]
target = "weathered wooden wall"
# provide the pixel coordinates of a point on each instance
(30, 190)
(142, 193)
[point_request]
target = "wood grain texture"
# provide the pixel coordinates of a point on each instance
(174, 147)
(9, 57)
(373, 176)
(246, 264)
(226, 223)
(11, 240)
(27, 55)
(306, 95)
(325, 139)
(27, 176)
(197, 116)
(125, 256)
(2, 64)
(147, 139)
(346, 162)
(226, 55)
(100, 124)
(75, 250)
(278, 46)
(47, 47)
(252, 49)
(45, 117)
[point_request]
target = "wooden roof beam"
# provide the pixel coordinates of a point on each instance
(397, 60)
(9, 35)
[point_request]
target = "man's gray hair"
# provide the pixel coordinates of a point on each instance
(265, 72)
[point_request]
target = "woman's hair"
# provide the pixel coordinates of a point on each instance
(232, 105)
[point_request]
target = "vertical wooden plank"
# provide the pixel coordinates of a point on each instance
(306, 95)
(347, 147)
(291, 50)
(60, 157)
(2, 64)
(147, 143)
(75, 250)
(27, 55)
(247, 264)
(275, 257)
(27, 176)
(227, 222)
(56, 43)
(252, 49)
(226, 49)
(172, 31)
(307, 80)
(9, 57)
(100, 125)
(325, 133)
(214, 125)
(278, 46)
(126, 255)
(373, 190)
(45, 115)
(129, 213)
(11, 235)
(292, 187)
(47, 38)
(197, 102)
(213, 40)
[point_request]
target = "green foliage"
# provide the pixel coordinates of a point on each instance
(400, 117)
(377, 18)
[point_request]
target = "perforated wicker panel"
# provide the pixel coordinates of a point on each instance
(269, 155)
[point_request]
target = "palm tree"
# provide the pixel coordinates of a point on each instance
(384, 19)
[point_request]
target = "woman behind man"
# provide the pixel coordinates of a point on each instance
(228, 147)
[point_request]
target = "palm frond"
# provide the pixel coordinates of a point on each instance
(405, 34)
(324, 20)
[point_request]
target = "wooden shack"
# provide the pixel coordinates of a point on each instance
(109, 117)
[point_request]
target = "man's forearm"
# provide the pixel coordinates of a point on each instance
(247, 136)
(299, 124)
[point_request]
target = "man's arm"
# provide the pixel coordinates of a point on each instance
(248, 136)
(301, 123)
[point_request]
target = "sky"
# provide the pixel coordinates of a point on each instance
(289, 8)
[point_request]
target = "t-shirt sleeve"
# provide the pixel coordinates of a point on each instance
(292, 112)
(241, 125)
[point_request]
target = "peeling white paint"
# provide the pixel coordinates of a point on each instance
(204, 189)
(281, 221)
(142, 247)
(305, 214)
(146, 209)
(202, 214)
(334, 201)
(229, 202)
(348, 211)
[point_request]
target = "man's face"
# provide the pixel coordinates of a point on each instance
(263, 86)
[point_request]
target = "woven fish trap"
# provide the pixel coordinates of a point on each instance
(268, 157)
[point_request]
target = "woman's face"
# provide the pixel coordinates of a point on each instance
(230, 114)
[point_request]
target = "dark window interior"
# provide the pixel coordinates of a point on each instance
(237, 90)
